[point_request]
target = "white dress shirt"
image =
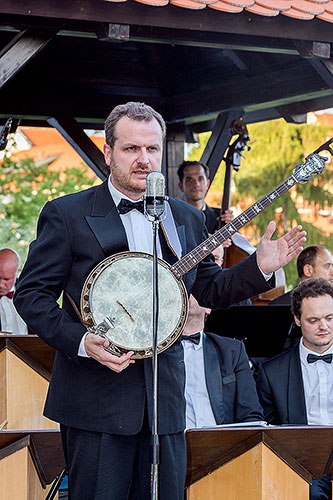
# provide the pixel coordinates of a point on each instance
(9, 318)
(318, 387)
(199, 411)
(139, 236)
(137, 227)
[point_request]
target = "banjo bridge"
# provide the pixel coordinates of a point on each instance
(124, 309)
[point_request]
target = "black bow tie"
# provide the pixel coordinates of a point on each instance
(312, 358)
(195, 337)
(126, 206)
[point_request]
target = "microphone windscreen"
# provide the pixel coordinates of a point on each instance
(155, 194)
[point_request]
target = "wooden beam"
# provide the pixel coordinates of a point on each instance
(82, 144)
(134, 13)
(324, 68)
(174, 155)
(281, 87)
(313, 49)
(23, 47)
(219, 140)
(171, 36)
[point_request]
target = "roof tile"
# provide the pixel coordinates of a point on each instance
(308, 7)
(262, 11)
(326, 17)
(188, 4)
(303, 10)
(240, 3)
(155, 3)
(226, 7)
(280, 5)
(329, 7)
(320, 1)
(297, 14)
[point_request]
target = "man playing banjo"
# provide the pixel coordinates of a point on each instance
(103, 402)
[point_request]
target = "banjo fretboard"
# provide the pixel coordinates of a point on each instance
(314, 164)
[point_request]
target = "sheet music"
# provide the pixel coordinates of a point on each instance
(255, 423)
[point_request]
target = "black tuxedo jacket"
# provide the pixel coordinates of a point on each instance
(281, 390)
(230, 383)
(211, 215)
(74, 234)
(283, 300)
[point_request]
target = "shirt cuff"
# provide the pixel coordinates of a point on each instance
(266, 276)
(82, 351)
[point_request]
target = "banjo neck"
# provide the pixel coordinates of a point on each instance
(303, 172)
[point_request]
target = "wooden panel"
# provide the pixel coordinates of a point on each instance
(3, 388)
(26, 393)
(263, 476)
(19, 479)
(35, 491)
(14, 475)
(278, 477)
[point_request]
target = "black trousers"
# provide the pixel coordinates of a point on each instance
(321, 489)
(114, 467)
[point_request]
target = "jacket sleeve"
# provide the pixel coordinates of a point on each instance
(42, 281)
(247, 403)
(266, 397)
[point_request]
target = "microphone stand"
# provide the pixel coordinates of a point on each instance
(155, 212)
(155, 445)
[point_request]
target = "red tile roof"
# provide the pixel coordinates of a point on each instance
(304, 10)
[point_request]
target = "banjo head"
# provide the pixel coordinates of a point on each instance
(117, 303)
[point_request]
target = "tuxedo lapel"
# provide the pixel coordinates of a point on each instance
(105, 222)
(296, 397)
(213, 378)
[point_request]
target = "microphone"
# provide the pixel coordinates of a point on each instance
(154, 199)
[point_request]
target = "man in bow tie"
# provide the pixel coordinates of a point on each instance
(10, 321)
(104, 402)
(296, 387)
(219, 384)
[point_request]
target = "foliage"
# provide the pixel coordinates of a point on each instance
(276, 148)
(24, 189)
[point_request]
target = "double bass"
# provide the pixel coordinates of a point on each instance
(232, 159)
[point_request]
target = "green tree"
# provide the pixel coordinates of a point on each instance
(276, 148)
(24, 189)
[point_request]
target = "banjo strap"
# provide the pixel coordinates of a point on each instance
(169, 230)
(86, 324)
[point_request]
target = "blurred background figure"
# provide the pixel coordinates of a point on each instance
(194, 182)
(314, 261)
(10, 321)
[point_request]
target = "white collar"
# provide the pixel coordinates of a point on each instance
(304, 351)
(117, 195)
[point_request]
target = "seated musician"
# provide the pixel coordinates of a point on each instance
(219, 387)
(194, 183)
(10, 321)
(296, 387)
(315, 261)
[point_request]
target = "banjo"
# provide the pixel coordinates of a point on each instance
(117, 297)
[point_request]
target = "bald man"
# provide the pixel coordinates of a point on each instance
(314, 261)
(10, 321)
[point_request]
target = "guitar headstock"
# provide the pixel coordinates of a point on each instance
(314, 164)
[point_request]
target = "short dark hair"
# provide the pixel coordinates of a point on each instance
(135, 111)
(313, 287)
(307, 256)
(189, 163)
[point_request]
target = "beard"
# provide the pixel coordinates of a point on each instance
(125, 182)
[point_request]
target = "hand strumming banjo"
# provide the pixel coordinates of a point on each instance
(116, 299)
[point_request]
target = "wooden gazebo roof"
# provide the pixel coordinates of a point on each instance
(68, 63)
